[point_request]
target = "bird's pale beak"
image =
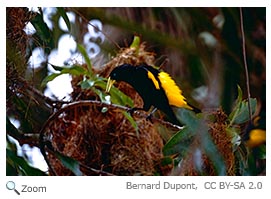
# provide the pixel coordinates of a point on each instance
(109, 84)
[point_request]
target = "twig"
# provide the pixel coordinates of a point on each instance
(99, 172)
(114, 106)
(245, 62)
(57, 104)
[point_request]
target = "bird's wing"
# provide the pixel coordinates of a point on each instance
(173, 92)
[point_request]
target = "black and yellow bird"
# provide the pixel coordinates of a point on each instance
(255, 133)
(155, 87)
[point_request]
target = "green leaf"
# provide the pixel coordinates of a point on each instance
(209, 148)
(234, 133)
(87, 84)
(240, 112)
(42, 30)
(212, 152)
(117, 97)
(22, 165)
(237, 103)
(100, 94)
(83, 51)
(58, 68)
(73, 70)
(242, 160)
(195, 128)
(63, 14)
(132, 121)
(240, 95)
(136, 43)
(166, 161)
(179, 143)
(188, 118)
(261, 152)
(69, 163)
(49, 78)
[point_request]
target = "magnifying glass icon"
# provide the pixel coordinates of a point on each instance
(11, 186)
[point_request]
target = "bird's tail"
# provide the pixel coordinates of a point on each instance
(171, 116)
(195, 109)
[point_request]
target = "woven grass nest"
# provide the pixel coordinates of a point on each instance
(220, 137)
(107, 143)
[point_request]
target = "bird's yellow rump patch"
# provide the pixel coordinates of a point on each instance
(155, 82)
(173, 92)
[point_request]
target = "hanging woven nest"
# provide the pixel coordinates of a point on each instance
(222, 141)
(105, 142)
